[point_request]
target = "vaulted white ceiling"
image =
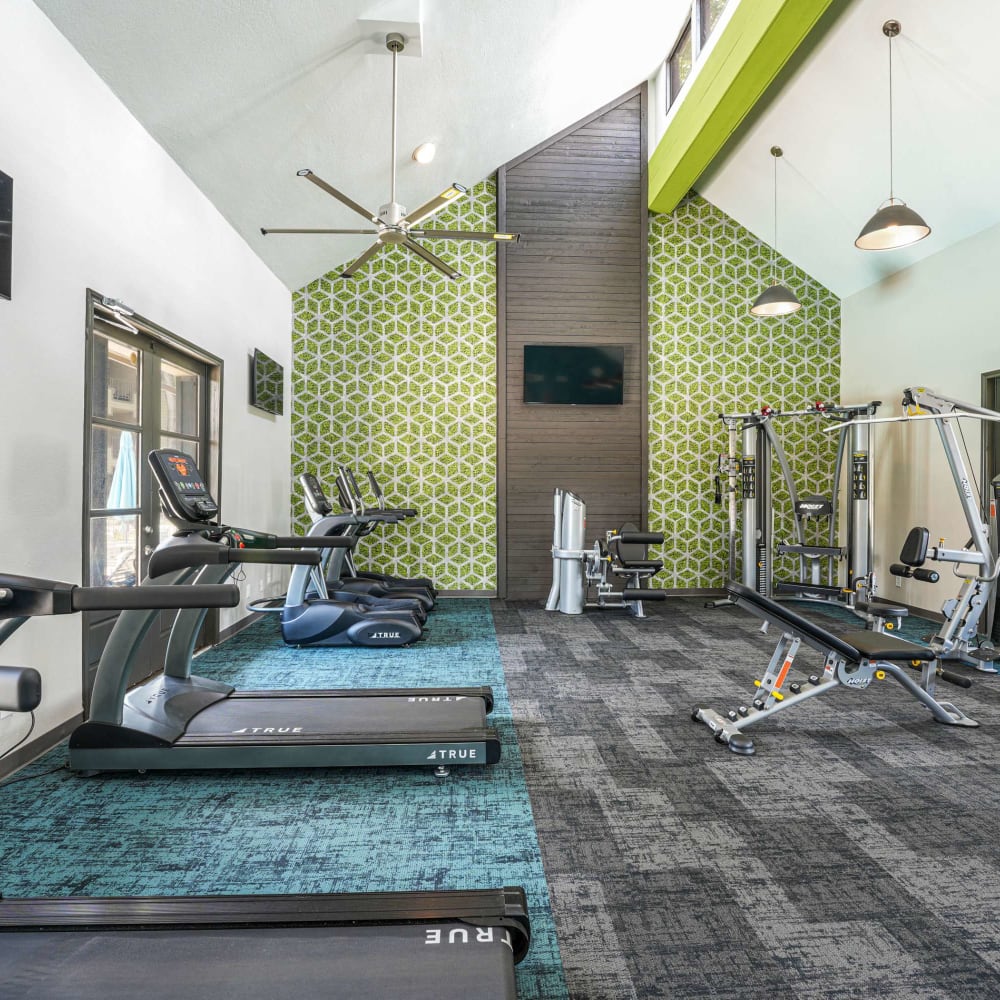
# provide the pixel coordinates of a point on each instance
(243, 94)
(830, 116)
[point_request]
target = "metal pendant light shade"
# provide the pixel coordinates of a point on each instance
(894, 224)
(775, 300)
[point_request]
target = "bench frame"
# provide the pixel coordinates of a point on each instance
(845, 665)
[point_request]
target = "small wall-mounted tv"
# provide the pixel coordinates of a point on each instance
(6, 232)
(576, 375)
(267, 385)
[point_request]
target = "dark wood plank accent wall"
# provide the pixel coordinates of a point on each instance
(578, 276)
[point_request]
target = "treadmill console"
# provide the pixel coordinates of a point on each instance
(315, 497)
(182, 487)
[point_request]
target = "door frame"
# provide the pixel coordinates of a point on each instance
(99, 308)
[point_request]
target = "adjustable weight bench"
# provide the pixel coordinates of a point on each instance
(852, 660)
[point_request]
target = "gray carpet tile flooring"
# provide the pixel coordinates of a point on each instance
(856, 855)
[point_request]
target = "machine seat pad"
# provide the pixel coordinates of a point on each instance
(855, 646)
(882, 608)
(653, 564)
(879, 646)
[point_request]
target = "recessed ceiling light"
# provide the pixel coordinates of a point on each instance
(424, 153)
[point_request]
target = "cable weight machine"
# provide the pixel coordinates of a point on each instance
(830, 570)
(959, 638)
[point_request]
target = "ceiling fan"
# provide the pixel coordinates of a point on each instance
(394, 225)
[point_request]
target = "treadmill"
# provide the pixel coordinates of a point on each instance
(178, 720)
(445, 945)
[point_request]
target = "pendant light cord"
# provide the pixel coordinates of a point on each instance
(891, 193)
(774, 245)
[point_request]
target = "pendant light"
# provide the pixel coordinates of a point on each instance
(894, 224)
(776, 299)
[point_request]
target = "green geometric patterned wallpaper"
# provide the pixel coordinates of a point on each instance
(395, 371)
(708, 355)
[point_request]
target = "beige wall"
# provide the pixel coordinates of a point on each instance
(935, 324)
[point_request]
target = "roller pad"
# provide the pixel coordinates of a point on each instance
(641, 537)
(644, 595)
(20, 689)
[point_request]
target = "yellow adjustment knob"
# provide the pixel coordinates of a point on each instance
(880, 675)
(756, 684)
(889, 626)
(777, 696)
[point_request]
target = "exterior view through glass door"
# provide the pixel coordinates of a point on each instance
(143, 392)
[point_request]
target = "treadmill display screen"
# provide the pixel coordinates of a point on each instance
(182, 485)
(184, 474)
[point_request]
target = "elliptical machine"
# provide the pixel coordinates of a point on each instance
(189, 506)
(576, 569)
(340, 572)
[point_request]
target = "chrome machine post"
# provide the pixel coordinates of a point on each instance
(860, 513)
(991, 612)
(552, 601)
(755, 476)
(571, 576)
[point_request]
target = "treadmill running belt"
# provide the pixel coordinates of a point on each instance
(445, 961)
(322, 716)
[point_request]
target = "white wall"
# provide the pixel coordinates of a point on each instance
(97, 203)
(935, 324)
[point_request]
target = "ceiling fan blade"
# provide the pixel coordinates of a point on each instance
(342, 198)
(438, 201)
(451, 234)
(420, 251)
(353, 268)
(340, 232)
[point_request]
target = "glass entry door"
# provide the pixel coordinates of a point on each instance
(142, 394)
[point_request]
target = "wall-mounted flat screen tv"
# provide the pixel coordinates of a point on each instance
(576, 375)
(267, 385)
(6, 231)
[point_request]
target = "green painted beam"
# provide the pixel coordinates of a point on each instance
(756, 42)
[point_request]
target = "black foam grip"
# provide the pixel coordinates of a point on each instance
(641, 537)
(150, 598)
(314, 542)
(643, 595)
(20, 689)
(898, 569)
(959, 680)
(926, 575)
(276, 557)
(169, 560)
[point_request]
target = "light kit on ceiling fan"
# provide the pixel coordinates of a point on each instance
(895, 224)
(394, 225)
(776, 299)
